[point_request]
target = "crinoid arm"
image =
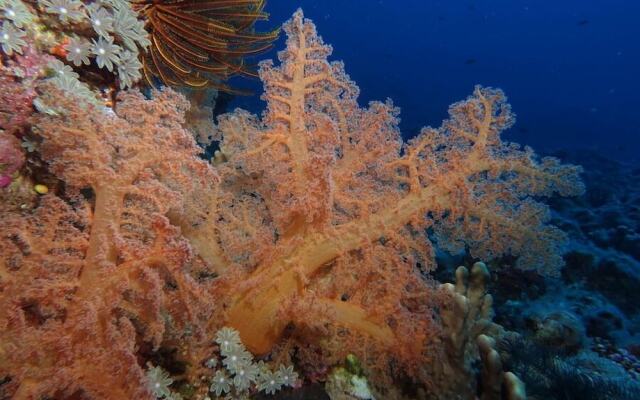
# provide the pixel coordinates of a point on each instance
(201, 44)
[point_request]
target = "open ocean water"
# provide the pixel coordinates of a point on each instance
(570, 68)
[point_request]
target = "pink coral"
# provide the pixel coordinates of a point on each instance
(18, 79)
(16, 105)
(11, 158)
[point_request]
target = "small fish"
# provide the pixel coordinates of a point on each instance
(470, 61)
(583, 22)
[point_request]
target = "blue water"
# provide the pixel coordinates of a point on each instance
(570, 68)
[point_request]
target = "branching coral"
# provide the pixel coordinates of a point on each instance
(330, 208)
(86, 282)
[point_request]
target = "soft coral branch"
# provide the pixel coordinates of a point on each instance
(126, 271)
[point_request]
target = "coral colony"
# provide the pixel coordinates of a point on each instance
(301, 254)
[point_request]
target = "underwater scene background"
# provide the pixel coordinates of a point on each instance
(235, 199)
(568, 67)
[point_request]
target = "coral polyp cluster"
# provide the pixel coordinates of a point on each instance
(105, 37)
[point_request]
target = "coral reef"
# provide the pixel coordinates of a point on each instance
(587, 317)
(604, 228)
(313, 237)
(593, 305)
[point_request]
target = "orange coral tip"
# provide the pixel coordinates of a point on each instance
(59, 49)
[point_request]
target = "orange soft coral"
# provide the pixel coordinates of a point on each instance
(337, 207)
(87, 282)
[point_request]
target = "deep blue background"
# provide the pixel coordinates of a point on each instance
(571, 68)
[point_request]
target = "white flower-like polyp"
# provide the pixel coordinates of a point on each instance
(245, 374)
(62, 69)
(221, 383)
(236, 358)
(129, 69)
(11, 39)
(16, 12)
(269, 382)
(227, 339)
(78, 51)
(65, 9)
(106, 52)
(159, 382)
(287, 375)
(101, 20)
